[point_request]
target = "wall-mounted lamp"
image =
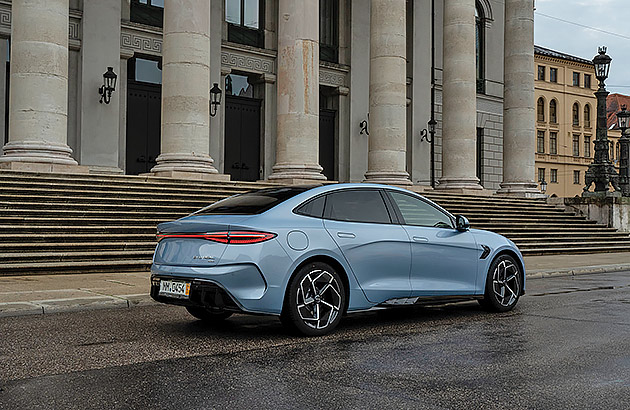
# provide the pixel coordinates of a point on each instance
(543, 186)
(215, 99)
(109, 85)
(363, 126)
(430, 134)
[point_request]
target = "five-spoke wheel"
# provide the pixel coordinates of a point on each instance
(315, 300)
(503, 285)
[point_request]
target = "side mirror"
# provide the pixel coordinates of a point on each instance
(462, 223)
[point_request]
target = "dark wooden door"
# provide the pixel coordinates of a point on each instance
(327, 142)
(242, 138)
(143, 126)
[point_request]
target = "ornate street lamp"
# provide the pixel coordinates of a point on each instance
(623, 121)
(601, 171)
(109, 85)
(543, 186)
(215, 93)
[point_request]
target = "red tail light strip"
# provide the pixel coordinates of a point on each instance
(236, 237)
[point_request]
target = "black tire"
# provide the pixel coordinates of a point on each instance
(207, 315)
(316, 309)
(502, 294)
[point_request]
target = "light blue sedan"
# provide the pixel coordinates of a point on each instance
(311, 254)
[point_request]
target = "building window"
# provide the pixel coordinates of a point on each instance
(541, 110)
(576, 177)
(553, 112)
(587, 147)
(576, 79)
(541, 72)
(576, 115)
(149, 12)
(553, 75)
(329, 30)
(541, 174)
(587, 116)
(576, 145)
(612, 150)
(144, 71)
(587, 81)
(238, 85)
(553, 143)
(553, 175)
(618, 151)
(540, 142)
(244, 18)
(480, 51)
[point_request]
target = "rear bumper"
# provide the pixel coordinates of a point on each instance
(203, 293)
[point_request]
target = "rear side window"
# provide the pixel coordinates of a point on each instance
(254, 202)
(419, 213)
(314, 208)
(357, 206)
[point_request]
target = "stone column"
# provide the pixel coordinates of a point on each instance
(519, 133)
(459, 109)
(297, 145)
(387, 155)
(186, 92)
(38, 100)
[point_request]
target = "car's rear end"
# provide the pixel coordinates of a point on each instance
(225, 257)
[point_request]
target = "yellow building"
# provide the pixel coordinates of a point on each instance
(566, 118)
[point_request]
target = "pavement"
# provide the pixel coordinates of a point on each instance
(45, 294)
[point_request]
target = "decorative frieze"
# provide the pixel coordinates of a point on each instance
(248, 61)
(332, 77)
(141, 40)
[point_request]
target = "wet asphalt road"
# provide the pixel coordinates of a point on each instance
(567, 345)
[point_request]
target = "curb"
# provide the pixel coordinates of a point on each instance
(44, 307)
(584, 270)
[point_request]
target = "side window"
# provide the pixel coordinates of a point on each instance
(314, 208)
(357, 206)
(416, 212)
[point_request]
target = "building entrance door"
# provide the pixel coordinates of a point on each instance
(143, 126)
(242, 138)
(327, 142)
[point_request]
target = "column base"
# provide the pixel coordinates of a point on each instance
(103, 170)
(37, 152)
(601, 194)
(297, 174)
(388, 178)
(187, 166)
(42, 167)
(469, 184)
(194, 176)
(521, 190)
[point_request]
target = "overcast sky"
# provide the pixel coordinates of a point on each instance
(609, 16)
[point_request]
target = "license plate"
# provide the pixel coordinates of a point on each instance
(175, 289)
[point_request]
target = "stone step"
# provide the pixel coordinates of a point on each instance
(76, 237)
(574, 238)
(92, 213)
(69, 267)
(51, 257)
(584, 250)
(102, 200)
(62, 230)
(573, 244)
(77, 206)
(148, 245)
(69, 223)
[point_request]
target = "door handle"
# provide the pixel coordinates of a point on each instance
(244, 166)
(420, 239)
(141, 158)
(236, 165)
(346, 235)
(152, 160)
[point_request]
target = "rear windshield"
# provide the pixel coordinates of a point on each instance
(254, 202)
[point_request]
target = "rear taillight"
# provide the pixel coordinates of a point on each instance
(234, 237)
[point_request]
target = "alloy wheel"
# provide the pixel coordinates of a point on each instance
(505, 283)
(319, 300)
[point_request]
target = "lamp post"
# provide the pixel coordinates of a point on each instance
(601, 171)
(543, 186)
(623, 121)
(215, 93)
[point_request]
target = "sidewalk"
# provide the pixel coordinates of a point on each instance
(36, 295)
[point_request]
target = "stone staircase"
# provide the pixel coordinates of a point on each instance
(86, 223)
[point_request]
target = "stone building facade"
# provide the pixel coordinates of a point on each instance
(566, 119)
(346, 96)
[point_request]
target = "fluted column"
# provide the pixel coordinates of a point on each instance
(459, 109)
(519, 137)
(185, 92)
(297, 145)
(387, 155)
(38, 100)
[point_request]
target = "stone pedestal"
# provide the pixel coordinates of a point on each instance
(459, 110)
(611, 210)
(519, 133)
(297, 145)
(38, 100)
(186, 92)
(387, 155)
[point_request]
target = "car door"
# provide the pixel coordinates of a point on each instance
(444, 261)
(377, 250)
